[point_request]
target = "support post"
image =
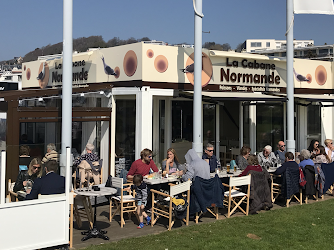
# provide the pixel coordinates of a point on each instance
(290, 142)
(66, 135)
(197, 108)
(3, 177)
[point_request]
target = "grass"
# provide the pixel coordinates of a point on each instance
(298, 227)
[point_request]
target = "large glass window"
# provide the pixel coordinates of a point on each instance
(162, 118)
(3, 127)
(125, 131)
(269, 125)
(313, 123)
(209, 124)
(182, 127)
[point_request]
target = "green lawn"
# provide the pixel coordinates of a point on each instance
(300, 227)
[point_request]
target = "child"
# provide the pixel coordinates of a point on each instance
(141, 197)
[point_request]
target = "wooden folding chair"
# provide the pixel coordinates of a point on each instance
(234, 198)
(300, 199)
(11, 194)
(167, 210)
(123, 203)
(276, 189)
(211, 210)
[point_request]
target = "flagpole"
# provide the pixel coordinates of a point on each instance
(197, 104)
(290, 142)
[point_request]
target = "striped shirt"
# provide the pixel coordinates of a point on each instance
(51, 156)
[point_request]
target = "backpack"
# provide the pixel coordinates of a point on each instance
(302, 180)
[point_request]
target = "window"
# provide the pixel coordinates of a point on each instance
(256, 44)
(268, 44)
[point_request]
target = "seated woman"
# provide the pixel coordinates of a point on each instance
(304, 158)
(85, 163)
(24, 159)
(321, 156)
(313, 148)
(329, 148)
(253, 164)
(171, 164)
(26, 178)
(241, 160)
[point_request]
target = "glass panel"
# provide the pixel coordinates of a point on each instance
(125, 132)
(246, 138)
(3, 126)
(269, 125)
(162, 153)
(182, 127)
(313, 123)
(209, 124)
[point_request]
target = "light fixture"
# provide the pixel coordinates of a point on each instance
(40, 99)
(82, 94)
(101, 92)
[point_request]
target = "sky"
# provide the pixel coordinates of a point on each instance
(27, 25)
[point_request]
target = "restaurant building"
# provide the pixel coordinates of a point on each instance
(130, 97)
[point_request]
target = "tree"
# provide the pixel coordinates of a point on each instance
(240, 47)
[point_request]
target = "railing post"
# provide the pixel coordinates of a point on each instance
(3, 177)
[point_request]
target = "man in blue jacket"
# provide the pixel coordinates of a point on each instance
(210, 158)
(51, 183)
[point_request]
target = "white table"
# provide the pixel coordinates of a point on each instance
(223, 174)
(162, 180)
(95, 232)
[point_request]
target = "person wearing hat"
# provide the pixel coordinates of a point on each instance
(84, 163)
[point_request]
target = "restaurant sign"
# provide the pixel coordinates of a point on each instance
(229, 75)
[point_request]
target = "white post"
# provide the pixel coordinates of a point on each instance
(217, 132)
(290, 142)
(252, 127)
(66, 137)
(68, 182)
(241, 125)
(168, 123)
(197, 109)
(113, 135)
(3, 177)
(143, 120)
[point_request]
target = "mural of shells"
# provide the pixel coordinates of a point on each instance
(130, 63)
(161, 63)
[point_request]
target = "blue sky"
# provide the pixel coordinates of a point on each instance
(26, 25)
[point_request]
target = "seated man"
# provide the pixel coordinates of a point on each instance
(51, 183)
(196, 166)
(267, 158)
(280, 152)
(85, 163)
(289, 163)
(51, 154)
(142, 166)
(210, 158)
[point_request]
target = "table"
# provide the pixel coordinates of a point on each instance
(223, 174)
(95, 232)
(162, 180)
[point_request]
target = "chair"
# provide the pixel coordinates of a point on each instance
(123, 203)
(40, 196)
(289, 188)
(77, 174)
(310, 189)
(234, 197)
(166, 210)
(222, 150)
(328, 170)
(11, 194)
(234, 153)
(207, 195)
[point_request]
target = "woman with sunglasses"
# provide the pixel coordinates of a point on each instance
(313, 148)
(321, 156)
(26, 177)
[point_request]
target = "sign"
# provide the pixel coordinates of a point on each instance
(6, 86)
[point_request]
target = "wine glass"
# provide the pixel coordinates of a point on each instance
(28, 185)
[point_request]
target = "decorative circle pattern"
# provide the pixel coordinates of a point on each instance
(161, 63)
(130, 63)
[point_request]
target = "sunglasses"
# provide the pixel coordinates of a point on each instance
(211, 150)
(317, 144)
(36, 167)
(282, 146)
(150, 156)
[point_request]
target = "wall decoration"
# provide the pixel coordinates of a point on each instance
(320, 75)
(43, 75)
(206, 69)
(161, 63)
(149, 53)
(28, 74)
(130, 63)
(107, 69)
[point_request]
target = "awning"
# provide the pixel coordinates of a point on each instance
(246, 55)
(237, 96)
(315, 98)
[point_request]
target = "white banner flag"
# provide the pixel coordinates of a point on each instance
(313, 7)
